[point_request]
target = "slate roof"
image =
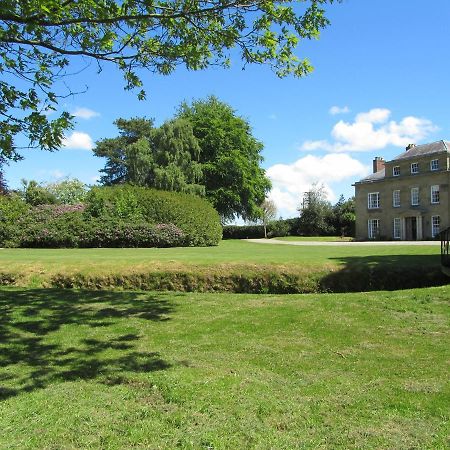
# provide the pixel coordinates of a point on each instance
(414, 152)
(425, 149)
(374, 176)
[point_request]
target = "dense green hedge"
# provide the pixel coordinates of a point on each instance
(12, 210)
(122, 216)
(194, 216)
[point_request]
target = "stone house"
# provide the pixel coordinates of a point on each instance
(406, 198)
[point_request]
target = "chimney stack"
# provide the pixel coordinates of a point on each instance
(378, 164)
(410, 146)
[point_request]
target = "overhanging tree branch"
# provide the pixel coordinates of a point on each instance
(40, 39)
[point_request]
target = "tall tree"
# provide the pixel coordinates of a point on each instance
(68, 191)
(344, 217)
(40, 38)
(3, 185)
(268, 213)
(176, 159)
(230, 157)
(163, 158)
(315, 213)
(35, 193)
(128, 155)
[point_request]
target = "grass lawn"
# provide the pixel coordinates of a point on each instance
(119, 370)
(40, 267)
(229, 252)
(316, 238)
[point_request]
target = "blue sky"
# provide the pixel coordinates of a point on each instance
(381, 81)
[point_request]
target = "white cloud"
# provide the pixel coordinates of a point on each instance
(85, 113)
(273, 117)
(375, 115)
(53, 174)
(57, 174)
(372, 130)
(290, 181)
(78, 140)
(339, 110)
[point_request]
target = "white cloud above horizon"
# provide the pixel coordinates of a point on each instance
(290, 181)
(85, 113)
(78, 140)
(372, 130)
(57, 174)
(334, 110)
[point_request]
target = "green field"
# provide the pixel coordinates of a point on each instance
(235, 266)
(315, 238)
(115, 370)
(227, 252)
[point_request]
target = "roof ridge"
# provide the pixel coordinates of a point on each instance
(430, 143)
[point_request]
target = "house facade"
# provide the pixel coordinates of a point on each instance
(406, 198)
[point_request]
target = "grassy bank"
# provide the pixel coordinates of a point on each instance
(233, 266)
(83, 369)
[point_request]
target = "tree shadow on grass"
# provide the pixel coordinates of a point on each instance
(36, 349)
(384, 272)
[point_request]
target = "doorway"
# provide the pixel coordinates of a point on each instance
(411, 228)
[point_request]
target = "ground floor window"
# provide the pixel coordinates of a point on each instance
(374, 228)
(397, 229)
(435, 225)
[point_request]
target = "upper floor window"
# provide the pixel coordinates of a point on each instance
(396, 171)
(435, 225)
(373, 200)
(396, 198)
(414, 196)
(435, 194)
(434, 164)
(415, 167)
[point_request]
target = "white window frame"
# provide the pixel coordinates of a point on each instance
(415, 200)
(434, 164)
(396, 198)
(373, 228)
(414, 168)
(435, 225)
(434, 196)
(396, 173)
(373, 204)
(397, 228)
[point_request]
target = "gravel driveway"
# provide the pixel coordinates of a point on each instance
(343, 243)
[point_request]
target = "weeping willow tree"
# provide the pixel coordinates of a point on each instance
(164, 158)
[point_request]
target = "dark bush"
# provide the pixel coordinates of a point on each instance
(276, 228)
(243, 232)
